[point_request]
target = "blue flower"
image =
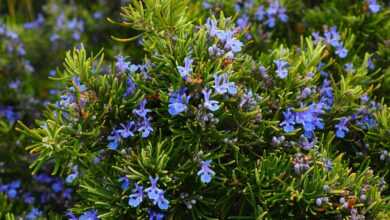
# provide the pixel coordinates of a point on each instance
(136, 197)
(186, 69)
(211, 25)
(205, 172)
(282, 15)
(43, 178)
(306, 143)
(145, 127)
(155, 215)
(231, 43)
(367, 122)
(341, 52)
(28, 198)
(121, 64)
(328, 164)
(310, 119)
(33, 214)
(57, 186)
(73, 175)
(274, 11)
(281, 68)
(370, 64)
(222, 85)
(126, 130)
(289, 121)
(332, 37)
(89, 215)
(80, 87)
(142, 111)
(36, 23)
(271, 22)
(178, 102)
(260, 13)
(317, 37)
(67, 193)
(162, 202)
(211, 105)
(349, 67)
(153, 191)
(11, 189)
(248, 100)
(125, 182)
(70, 215)
(341, 127)
(374, 6)
(243, 21)
(131, 87)
(9, 114)
(326, 94)
(114, 140)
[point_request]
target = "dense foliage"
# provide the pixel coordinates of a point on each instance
(196, 110)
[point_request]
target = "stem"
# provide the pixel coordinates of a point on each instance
(29, 9)
(11, 8)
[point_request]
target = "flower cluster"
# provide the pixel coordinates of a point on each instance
(274, 12)
(155, 194)
(219, 116)
(332, 38)
(225, 42)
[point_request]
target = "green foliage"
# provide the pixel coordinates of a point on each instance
(310, 144)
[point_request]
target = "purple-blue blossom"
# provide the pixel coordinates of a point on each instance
(36, 23)
(281, 68)
(211, 105)
(89, 215)
(310, 119)
(153, 191)
(9, 113)
(289, 121)
(11, 189)
(248, 100)
(57, 186)
(185, 70)
(77, 83)
(341, 51)
(145, 127)
(162, 202)
(70, 215)
(211, 25)
(260, 13)
(373, 6)
(121, 64)
(153, 215)
(274, 11)
(142, 111)
(223, 86)
(137, 196)
(349, 67)
(307, 143)
(125, 182)
(126, 130)
(74, 174)
(28, 198)
(231, 43)
(178, 102)
(131, 87)
(114, 140)
(326, 94)
(33, 214)
(332, 37)
(341, 127)
(205, 173)
(243, 21)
